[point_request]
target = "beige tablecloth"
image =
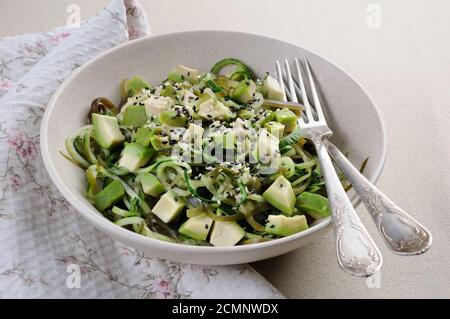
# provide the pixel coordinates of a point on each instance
(400, 52)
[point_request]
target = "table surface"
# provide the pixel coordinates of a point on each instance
(404, 65)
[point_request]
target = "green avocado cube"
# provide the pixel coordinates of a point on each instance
(135, 156)
(134, 115)
(171, 118)
(108, 196)
(168, 207)
(214, 110)
(197, 227)
(143, 136)
(182, 73)
(167, 90)
(244, 91)
(192, 212)
(281, 225)
(275, 128)
(315, 205)
(287, 118)
(246, 114)
(281, 195)
(135, 85)
(159, 142)
(226, 234)
(106, 131)
(150, 184)
(272, 89)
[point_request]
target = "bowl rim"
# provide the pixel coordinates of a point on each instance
(124, 235)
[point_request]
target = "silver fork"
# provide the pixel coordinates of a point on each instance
(400, 232)
(356, 251)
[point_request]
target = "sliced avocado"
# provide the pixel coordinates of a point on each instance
(275, 128)
(268, 151)
(135, 156)
(211, 109)
(106, 131)
(134, 115)
(244, 92)
(226, 234)
(315, 205)
(287, 166)
(281, 225)
(167, 90)
(159, 142)
(197, 227)
(272, 89)
(108, 196)
(182, 73)
(150, 184)
(194, 135)
(143, 136)
(171, 118)
(168, 207)
(175, 77)
(246, 114)
(135, 85)
(192, 212)
(280, 195)
(156, 105)
(287, 118)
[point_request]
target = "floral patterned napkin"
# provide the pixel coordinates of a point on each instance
(47, 250)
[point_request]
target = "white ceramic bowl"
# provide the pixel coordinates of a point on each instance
(350, 112)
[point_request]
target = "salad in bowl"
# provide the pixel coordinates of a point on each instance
(211, 159)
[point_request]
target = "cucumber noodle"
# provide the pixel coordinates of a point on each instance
(159, 130)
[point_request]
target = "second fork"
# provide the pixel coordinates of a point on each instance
(356, 251)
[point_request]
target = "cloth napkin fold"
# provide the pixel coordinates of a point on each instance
(44, 242)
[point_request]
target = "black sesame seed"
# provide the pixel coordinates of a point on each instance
(272, 226)
(206, 226)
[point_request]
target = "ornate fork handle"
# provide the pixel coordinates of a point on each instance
(356, 251)
(400, 232)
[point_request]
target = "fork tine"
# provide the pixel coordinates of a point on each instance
(290, 82)
(317, 104)
(303, 91)
(280, 79)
